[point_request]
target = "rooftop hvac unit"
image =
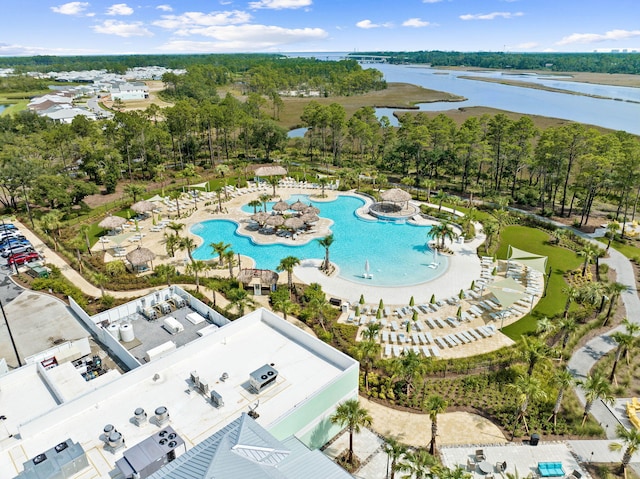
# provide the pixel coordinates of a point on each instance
(145, 458)
(150, 313)
(139, 416)
(162, 416)
(62, 461)
(216, 399)
(172, 325)
(204, 388)
(262, 377)
(115, 440)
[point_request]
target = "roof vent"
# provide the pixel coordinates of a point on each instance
(40, 458)
(162, 416)
(139, 416)
(115, 441)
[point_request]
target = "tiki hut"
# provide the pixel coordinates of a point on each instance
(275, 221)
(139, 257)
(298, 206)
(271, 171)
(310, 218)
(311, 209)
(294, 223)
(112, 222)
(395, 195)
(281, 206)
(260, 281)
(143, 207)
(261, 217)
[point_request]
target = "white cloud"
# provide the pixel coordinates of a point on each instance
(165, 8)
(190, 20)
(431, 1)
(490, 16)
(13, 50)
(119, 9)
(122, 29)
(280, 4)
(71, 8)
(416, 23)
(611, 35)
(366, 24)
(242, 38)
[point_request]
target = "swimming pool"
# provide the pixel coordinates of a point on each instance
(397, 253)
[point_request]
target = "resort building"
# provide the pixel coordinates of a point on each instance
(58, 419)
(129, 91)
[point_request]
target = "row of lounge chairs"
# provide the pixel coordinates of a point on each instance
(391, 350)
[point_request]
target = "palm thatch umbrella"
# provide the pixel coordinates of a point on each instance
(140, 257)
(280, 206)
(311, 209)
(142, 206)
(298, 206)
(395, 195)
(294, 223)
(275, 220)
(261, 217)
(112, 222)
(309, 218)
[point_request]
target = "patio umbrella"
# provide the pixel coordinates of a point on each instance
(311, 209)
(298, 206)
(309, 218)
(260, 217)
(112, 222)
(366, 267)
(275, 220)
(142, 206)
(294, 223)
(280, 206)
(140, 256)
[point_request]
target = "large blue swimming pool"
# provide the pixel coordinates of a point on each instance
(397, 253)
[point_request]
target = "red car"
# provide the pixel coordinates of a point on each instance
(22, 258)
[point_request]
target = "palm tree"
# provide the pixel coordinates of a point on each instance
(573, 294)
(166, 272)
(490, 228)
(370, 333)
(614, 290)
(395, 450)
(175, 195)
(526, 389)
(326, 243)
(284, 305)
(230, 257)
(220, 249)
(595, 387)
(626, 341)
(172, 243)
(442, 232)
(630, 443)
(612, 229)
(568, 326)
(590, 252)
(533, 351)
(197, 267)
(410, 367)
(349, 414)
(263, 199)
(134, 191)
(101, 279)
(176, 227)
(254, 204)
(238, 298)
(189, 244)
(440, 197)
(323, 182)
(434, 406)
(366, 352)
(418, 464)
(545, 327)
(563, 380)
(273, 181)
(287, 264)
(429, 185)
(51, 223)
(84, 231)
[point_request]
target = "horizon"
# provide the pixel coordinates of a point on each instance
(92, 28)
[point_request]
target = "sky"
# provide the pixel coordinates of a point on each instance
(92, 27)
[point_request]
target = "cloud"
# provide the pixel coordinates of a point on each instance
(490, 16)
(12, 50)
(416, 23)
(189, 20)
(611, 35)
(366, 24)
(165, 8)
(119, 9)
(71, 8)
(280, 4)
(242, 38)
(122, 29)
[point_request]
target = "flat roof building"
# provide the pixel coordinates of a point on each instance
(44, 408)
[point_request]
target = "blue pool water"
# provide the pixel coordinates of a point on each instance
(397, 253)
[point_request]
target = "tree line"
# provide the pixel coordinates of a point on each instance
(558, 62)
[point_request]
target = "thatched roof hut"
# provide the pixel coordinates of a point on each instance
(274, 220)
(281, 206)
(258, 279)
(140, 256)
(142, 206)
(299, 206)
(112, 222)
(260, 217)
(293, 223)
(271, 171)
(395, 195)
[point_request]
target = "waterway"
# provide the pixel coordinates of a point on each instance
(617, 113)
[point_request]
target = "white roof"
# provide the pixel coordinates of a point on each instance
(305, 366)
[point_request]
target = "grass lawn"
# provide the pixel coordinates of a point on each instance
(560, 260)
(629, 250)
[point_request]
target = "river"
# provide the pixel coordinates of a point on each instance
(615, 113)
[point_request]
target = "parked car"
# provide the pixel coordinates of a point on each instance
(7, 226)
(16, 249)
(23, 258)
(13, 241)
(10, 234)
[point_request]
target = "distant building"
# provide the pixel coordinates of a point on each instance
(129, 91)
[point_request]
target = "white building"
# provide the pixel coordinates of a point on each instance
(129, 91)
(43, 407)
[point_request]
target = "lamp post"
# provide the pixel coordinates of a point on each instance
(13, 343)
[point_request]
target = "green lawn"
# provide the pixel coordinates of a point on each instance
(629, 250)
(560, 260)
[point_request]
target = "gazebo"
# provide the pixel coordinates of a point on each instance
(139, 257)
(270, 171)
(259, 280)
(394, 204)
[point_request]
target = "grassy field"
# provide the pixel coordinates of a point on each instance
(397, 95)
(629, 250)
(560, 260)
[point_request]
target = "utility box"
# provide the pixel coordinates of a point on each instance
(148, 456)
(262, 378)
